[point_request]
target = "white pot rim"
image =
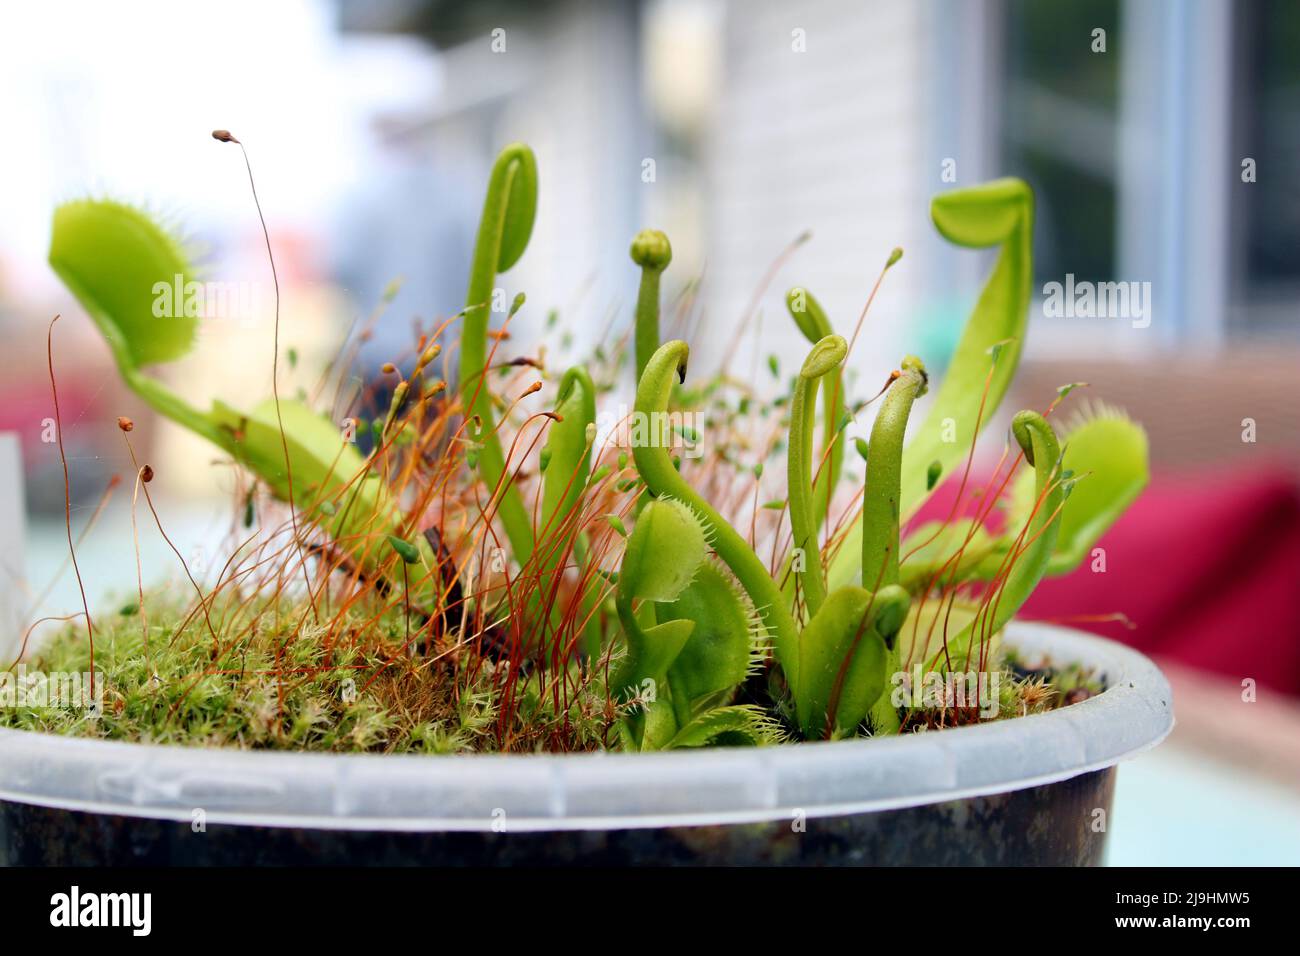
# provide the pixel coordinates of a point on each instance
(547, 792)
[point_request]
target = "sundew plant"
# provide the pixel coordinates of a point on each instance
(473, 565)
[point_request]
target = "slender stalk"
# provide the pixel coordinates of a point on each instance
(880, 508)
(652, 252)
(811, 319)
(880, 496)
(822, 361)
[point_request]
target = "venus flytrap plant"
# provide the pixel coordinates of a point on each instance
(663, 554)
(688, 643)
(655, 466)
(691, 641)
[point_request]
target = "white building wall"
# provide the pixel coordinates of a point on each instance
(832, 140)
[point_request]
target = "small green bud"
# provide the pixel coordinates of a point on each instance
(651, 250)
(408, 552)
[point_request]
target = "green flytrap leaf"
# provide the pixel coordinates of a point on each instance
(663, 553)
(717, 655)
(130, 275)
(118, 263)
(737, 724)
(666, 366)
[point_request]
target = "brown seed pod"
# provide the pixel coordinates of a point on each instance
(125, 423)
(146, 474)
(223, 136)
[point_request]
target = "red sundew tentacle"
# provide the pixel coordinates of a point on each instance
(67, 499)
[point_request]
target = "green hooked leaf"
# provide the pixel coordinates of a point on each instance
(519, 181)
(824, 359)
(998, 213)
(1106, 452)
(811, 319)
(504, 228)
(656, 468)
(567, 451)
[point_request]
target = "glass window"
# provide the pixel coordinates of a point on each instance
(1266, 212)
(1060, 129)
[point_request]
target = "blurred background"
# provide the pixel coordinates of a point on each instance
(1161, 138)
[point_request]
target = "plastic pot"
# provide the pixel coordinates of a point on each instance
(1034, 790)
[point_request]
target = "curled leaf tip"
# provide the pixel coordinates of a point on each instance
(825, 356)
(913, 364)
(1022, 427)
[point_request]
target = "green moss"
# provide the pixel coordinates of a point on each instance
(273, 690)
